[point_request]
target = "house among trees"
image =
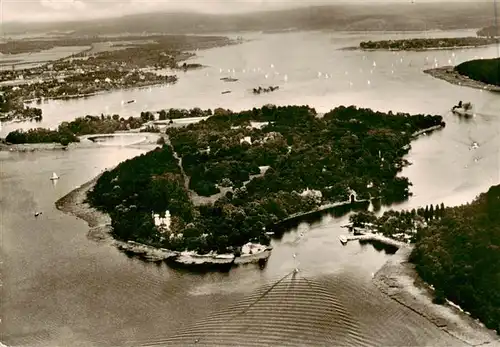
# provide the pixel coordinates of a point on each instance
(162, 224)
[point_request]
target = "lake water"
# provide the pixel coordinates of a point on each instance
(61, 289)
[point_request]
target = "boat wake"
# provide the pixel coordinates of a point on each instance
(297, 310)
(292, 308)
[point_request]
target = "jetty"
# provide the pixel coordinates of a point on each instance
(372, 237)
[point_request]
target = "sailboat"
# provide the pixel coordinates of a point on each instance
(54, 177)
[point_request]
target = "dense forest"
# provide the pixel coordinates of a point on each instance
(347, 148)
(41, 135)
(176, 113)
(68, 131)
(483, 70)
(460, 255)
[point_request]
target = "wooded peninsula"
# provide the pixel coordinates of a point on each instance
(270, 163)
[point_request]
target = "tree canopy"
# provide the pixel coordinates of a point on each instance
(460, 255)
(264, 158)
(483, 70)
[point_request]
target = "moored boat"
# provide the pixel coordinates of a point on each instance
(343, 239)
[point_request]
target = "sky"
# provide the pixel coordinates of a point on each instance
(59, 10)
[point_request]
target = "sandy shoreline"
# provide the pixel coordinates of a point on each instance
(74, 203)
(399, 280)
(448, 74)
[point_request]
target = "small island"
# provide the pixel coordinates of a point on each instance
(422, 44)
(261, 90)
(479, 73)
(222, 183)
(455, 249)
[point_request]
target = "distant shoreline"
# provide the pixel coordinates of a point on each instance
(356, 48)
(425, 44)
(448, 74)
(399, 280)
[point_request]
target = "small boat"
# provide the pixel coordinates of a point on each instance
(343, 239)
(226, 92)
(37, 214)
(54, 177)
(130, 101)
(463, 109)
(229, 79)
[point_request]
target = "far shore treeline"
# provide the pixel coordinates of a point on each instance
(418, 44)
(348, 148)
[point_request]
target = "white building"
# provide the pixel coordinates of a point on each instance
(162, 223)
(247, 139)
(353, 196)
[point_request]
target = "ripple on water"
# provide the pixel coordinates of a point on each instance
(298, 310)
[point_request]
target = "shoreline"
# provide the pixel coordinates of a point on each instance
(100, 230)
(30, 102)
(448, 74)
(399, 280)
(428, 130)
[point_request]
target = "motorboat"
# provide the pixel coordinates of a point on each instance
(463, 109)
(226, 92)
(54, 177)
(343, 239)
(229, 79)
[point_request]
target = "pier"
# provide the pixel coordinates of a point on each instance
(375, 237)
